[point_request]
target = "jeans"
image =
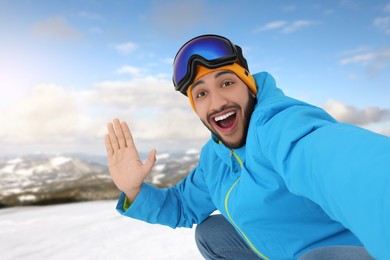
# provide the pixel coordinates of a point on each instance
(217, 239)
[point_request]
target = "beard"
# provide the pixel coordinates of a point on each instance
(247, 116)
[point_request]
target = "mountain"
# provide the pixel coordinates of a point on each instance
(40, 179)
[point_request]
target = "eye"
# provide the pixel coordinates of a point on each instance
(200, 94)
(227, 84)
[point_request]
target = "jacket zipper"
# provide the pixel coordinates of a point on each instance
(228, 213)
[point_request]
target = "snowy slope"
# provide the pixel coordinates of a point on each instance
(88, 230)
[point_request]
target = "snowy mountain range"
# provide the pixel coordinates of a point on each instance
(40, 179)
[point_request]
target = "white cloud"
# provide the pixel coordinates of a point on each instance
(172, 123)
(357, 50)
(96, 30)
(74, 120)
(285, 26)
(359, 58)
(139, 92)
(375, 61)
(134, 71)
(297, 25)
(89, 15)
(350, 114)
(385, 131)
(155, 110)
(383, 23)
(56, 27)
(272, 26)
(50, 114)
(387, 8)
(126, 48)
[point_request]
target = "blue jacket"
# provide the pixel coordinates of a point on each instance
(301, 181)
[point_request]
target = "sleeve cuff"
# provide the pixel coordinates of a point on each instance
(127, 207)
(126, 204)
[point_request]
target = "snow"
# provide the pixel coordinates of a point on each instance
(156, 178)
(15, 160)
(27, 198)
(159, 167)
(192, 151)
(59, 160)
(8, 168)
(162, 156)
(88, 230)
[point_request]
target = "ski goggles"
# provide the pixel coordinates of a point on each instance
(211, 51)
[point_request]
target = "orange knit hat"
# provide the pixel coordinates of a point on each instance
(240, 71)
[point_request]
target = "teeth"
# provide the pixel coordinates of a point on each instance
(222, 117)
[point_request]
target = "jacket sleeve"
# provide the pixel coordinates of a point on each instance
(343, 168)
(182, 205)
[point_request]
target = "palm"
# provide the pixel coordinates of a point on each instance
(126, 169)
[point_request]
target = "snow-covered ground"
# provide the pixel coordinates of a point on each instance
(88, 230)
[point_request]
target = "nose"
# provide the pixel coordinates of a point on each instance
(217, 101)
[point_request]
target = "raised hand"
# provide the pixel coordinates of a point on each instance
(126, 168)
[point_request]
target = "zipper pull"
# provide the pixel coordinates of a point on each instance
(231, 152)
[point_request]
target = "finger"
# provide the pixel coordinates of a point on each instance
(149, 163)
(108, 144)
(113, 139)
(129, 138)
(119, 133)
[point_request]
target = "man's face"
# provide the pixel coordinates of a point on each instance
(224, 104)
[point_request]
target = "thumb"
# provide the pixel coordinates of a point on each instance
(149, 163)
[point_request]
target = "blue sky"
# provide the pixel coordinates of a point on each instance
(69, 67)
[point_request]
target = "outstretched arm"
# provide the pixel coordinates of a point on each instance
(126, 168)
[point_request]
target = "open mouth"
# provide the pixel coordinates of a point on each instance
(225, 121)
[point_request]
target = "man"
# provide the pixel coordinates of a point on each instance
(289, 181)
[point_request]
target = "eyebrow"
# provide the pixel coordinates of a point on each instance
(215, 76)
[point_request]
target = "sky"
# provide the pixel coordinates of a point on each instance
(67, 68)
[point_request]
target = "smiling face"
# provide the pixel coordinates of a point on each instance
(224, 104)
